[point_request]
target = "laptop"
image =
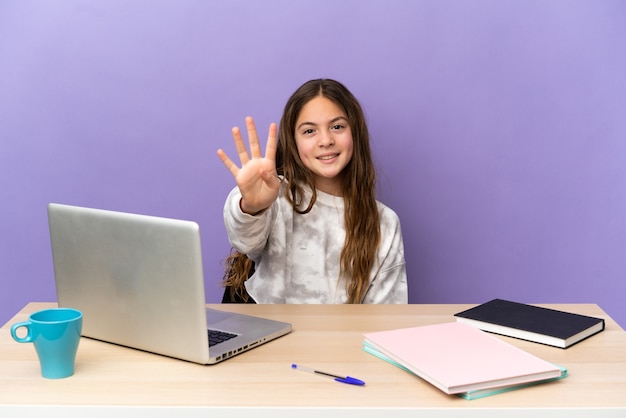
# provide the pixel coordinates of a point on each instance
(139, 282)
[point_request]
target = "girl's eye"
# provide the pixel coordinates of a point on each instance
(307, 132)
(337, 127)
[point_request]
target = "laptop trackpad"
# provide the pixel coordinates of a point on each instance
(251, 327)
(235, 323)
(213, 317)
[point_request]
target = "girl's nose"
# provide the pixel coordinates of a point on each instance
(326, 139)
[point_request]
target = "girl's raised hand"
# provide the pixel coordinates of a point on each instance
(257, 178)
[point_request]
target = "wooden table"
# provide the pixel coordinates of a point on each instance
(116, 381)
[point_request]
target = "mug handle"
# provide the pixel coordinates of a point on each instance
(28, 338)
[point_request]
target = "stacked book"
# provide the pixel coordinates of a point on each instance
(461, 359)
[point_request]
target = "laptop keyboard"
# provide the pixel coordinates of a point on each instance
(216, 337)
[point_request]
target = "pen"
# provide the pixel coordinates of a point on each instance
(343, 379)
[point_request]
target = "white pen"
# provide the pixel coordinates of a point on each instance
(343, 379)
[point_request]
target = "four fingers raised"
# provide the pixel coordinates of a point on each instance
(255, 147)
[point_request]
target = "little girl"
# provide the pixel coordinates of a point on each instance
(304, 219)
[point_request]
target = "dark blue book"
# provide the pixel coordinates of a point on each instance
(532, 323)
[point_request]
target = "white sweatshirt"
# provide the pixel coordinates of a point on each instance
(297, 256)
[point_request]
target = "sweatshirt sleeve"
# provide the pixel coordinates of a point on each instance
(247, 234)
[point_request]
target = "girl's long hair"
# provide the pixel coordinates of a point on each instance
(361, 217)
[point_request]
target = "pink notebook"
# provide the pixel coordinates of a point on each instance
(457, 357)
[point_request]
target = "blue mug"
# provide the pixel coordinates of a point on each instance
(55, 333)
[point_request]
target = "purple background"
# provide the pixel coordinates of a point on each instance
(499, 128)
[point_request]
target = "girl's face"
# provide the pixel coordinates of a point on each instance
(324, 142)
